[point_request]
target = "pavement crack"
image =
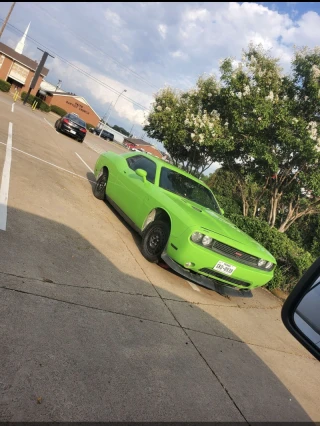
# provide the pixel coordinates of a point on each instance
(247, 343)
(90, 307)
(48, 281)
(197, 350)
(199, 303)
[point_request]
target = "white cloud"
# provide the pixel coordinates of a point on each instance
(162, 28)
(82, 85)
(179, 54)
(305, 31)
(113, 18)
(196, 15)
(155, 40)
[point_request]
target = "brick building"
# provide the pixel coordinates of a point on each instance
(18, 70)
(143, 145)
(72, 103)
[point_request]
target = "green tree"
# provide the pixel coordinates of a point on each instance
(260, 124)
(190, 134)
(276, 150)
(121, 130)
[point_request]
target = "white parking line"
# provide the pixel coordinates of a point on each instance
(196, 288)
(48, 122)
(4, 189)
(12, 107)
(84, 162)
(51, 164)
(98, 150)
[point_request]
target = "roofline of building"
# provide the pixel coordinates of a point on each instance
(22, 63)
(27, 66)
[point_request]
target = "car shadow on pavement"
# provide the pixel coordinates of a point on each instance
(92, 179)
(82, 340)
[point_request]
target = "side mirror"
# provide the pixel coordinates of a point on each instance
(222, 211)
(301, 311)
(142, 173)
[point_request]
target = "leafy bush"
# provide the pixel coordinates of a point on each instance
(30, 98)
(229, 205)
(4, 86)
(292, 260)
(44, 107)
(58, 110)
(40, 102)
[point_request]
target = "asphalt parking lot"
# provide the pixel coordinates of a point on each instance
(90, 331)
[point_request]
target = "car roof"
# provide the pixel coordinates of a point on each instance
(163, 163)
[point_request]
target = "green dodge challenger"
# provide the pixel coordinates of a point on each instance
(181, 222)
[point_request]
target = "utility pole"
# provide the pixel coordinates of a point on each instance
(37, 73)
(7, 18)
(58, 85)
(130, 133)
(103, 127)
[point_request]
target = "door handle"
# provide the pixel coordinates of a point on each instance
(124, 171)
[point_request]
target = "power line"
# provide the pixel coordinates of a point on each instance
(77, 68)
(98, 49)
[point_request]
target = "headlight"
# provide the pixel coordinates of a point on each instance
(206, 241)
(196, 237)
(261, 262)
(269, 265)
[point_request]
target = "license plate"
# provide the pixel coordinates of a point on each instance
(225, 268)
(73, 132)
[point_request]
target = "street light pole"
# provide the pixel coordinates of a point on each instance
(110, 111)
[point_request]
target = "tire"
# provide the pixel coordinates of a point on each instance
(154, 240)
(99, 190)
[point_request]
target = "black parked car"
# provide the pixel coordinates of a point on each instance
(104, 135)
(73, 126)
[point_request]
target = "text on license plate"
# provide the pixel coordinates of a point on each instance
(224, 267)
(73, 132)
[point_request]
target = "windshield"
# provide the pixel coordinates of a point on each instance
(77, 120)
(188, 188)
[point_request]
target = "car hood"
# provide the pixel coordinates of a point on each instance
(203, 219)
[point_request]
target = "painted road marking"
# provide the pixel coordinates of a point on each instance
(12, 107)
(84, 163)
(4, 189)
(94, 148)
(196, 288)
(48, 122)
(51, 164)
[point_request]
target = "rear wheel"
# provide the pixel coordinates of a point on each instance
(99, 190)
(154, 240)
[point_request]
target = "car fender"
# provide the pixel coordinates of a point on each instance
(177, 219)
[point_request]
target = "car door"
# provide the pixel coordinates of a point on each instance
(133, 190)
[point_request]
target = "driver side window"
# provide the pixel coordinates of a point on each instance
(141, 162)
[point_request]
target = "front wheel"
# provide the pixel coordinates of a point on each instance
(154, 240)
(99, 190)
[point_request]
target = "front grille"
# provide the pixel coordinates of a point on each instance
(224, 277)
(238, 255)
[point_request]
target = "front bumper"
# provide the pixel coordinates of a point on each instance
(182, 251)
(210, 283)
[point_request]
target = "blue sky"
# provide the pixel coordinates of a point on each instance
(141, 47)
